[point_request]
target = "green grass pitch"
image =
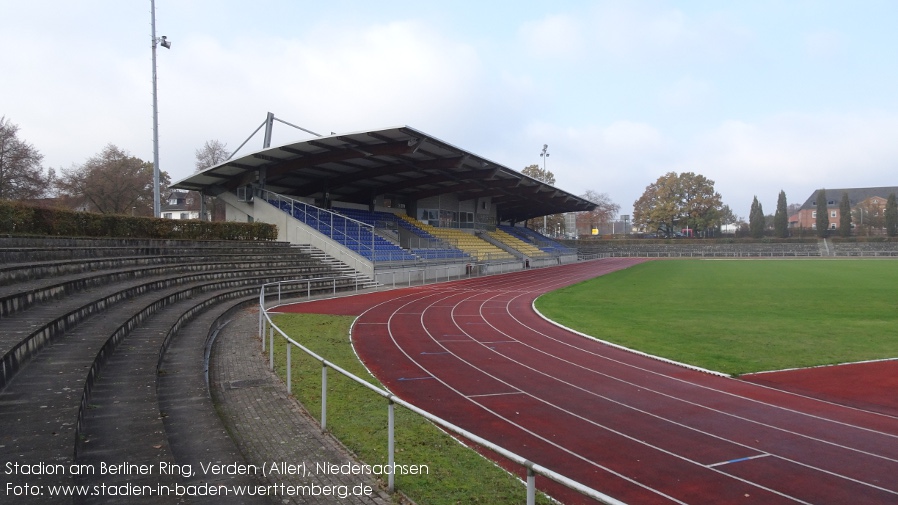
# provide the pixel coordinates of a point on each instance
(740, 316)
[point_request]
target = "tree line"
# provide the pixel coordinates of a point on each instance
(112, 181)
(687, 204)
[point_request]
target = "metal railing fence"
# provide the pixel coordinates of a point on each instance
(267, 326)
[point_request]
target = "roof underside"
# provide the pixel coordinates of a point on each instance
(399, 163)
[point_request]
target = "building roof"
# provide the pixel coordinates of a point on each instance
(855, 196)
(401, 163)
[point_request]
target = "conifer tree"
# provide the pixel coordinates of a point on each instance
(892, 216)
(756, 219)
(781, 218)
(822, 215)
(845, 216)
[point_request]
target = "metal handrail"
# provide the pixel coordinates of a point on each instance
(533, 469)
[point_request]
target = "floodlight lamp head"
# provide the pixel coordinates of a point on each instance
(165, 43)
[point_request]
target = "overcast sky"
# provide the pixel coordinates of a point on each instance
(756, 95)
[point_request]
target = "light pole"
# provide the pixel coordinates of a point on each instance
(166, 44)
(544, 155)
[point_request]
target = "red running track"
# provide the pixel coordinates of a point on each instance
(642, 430)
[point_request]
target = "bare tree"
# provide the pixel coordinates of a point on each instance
(604, 212)
(212, 153)
(21, 174)
(112, 182)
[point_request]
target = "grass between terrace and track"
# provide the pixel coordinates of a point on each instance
(740, 316)
(358, 418)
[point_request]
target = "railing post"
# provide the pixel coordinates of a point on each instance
(262, 316)
(289, 370)
(531, 487)
(323, 396)
(271, 347)
(279, 292)
(391, 444)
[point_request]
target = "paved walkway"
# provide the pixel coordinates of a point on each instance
(271, 427)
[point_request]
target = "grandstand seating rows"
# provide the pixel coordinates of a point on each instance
(85, 331)
(342, 225)
(437, 249)
(347, 232)
(475, 246)
(530, 236)
(516, 243)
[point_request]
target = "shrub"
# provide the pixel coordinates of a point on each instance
(21, 219)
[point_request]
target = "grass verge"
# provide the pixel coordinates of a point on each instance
(358, 418)
(740, 316)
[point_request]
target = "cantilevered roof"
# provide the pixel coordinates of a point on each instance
(400, 163)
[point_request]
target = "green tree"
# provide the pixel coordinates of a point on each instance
(21, 174)
(891, 216)
(781, 217)
(822, 214)
(535, 172)
(548, 223)
(687, 200)
(756, 220)
(845, 216)
(701, 204)
(112, 182)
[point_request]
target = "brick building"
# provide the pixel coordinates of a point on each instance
(866, 204)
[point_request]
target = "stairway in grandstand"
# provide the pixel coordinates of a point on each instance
(104, 343)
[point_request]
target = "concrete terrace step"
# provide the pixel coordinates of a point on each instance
(25, 249)
(40, 408)
(195, 432)
(26, 294)
(24, 334)
(14, 273)
(123, 401)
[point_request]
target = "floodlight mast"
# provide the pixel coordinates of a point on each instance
(544, 155)
(166, 44)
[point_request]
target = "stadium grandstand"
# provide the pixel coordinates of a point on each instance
(393, 200)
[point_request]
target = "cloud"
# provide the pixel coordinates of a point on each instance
(688, 93)
(554, 36)
(355, 78)
(798, 151)
(634, 32)
(823, 44)
(619, 158)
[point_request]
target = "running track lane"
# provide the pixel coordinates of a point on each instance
(644, 431)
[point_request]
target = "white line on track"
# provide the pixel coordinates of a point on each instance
(554, 281)
(676, 423)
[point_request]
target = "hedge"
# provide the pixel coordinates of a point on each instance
(21, 219)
